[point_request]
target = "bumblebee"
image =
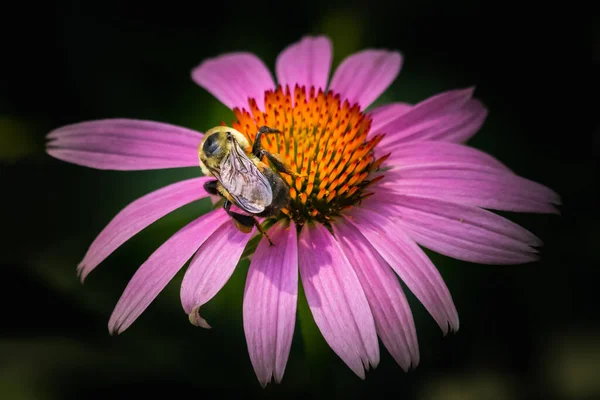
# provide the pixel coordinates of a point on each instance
(241, 177)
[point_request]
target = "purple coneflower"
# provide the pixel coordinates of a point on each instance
(373, 186)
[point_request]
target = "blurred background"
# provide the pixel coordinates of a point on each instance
(527, 331)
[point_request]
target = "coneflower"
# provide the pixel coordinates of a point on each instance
(370, 188)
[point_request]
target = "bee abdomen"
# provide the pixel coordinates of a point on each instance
(281, 194)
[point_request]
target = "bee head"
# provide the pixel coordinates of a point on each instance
(217, 143)
(212, 146)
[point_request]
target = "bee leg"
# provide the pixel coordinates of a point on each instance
(279, 166)
(256, 149)
(245, 222)
(211, 187)
(259, 153)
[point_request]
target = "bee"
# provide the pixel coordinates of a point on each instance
(241, 177)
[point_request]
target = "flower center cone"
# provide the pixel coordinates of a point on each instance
(324, 141)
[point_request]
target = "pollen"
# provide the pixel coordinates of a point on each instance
(323, 141)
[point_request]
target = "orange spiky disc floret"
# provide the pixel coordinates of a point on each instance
(323, 140)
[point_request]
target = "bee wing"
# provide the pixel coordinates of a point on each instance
(248, 187)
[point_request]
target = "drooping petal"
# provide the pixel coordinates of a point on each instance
(486, 188)
(337, 300)
(383, 115)
(270, 302)
(391, 312)
(439, 155)
(233, 78)
(410, 263)
(364, 76)
(154, 274)
(450, 116)
(306, 63)
(125, 144)
(211, 268)
(137, 216)
(462, 232)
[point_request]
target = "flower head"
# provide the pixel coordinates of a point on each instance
(366, 188)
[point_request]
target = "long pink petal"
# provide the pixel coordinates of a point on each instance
(462, 232)
(364, 76)
(486, 188)
(410, 263)
(457, 125)
(125, 144)
(449, 116)
(383, 115)
(270, 302)
(233, 78)
(391, 312)
(210, 269)
(439, 155)
(337, 300)
(437, 105)
(154, 274)
(137, 216)
(306, 63)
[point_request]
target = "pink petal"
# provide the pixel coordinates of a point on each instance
(462, 232)
(493, 189)
(270, 302)
(306, 63)
(456, 126)
(436, 155)
(233, 78)
(336, 299)
(211, 268)
(437, 105)
(363, 77)
(383, 115)
(154, 274)
(410, 263)
(391, 312)
(449, 116)
(459, 126)
(137, 216)
(125, 144)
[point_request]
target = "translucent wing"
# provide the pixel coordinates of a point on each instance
(248, 187)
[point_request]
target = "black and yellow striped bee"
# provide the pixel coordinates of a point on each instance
(241, 177)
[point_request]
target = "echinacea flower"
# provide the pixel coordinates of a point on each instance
(371, 188)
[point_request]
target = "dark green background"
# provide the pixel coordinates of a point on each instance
(526, 331)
